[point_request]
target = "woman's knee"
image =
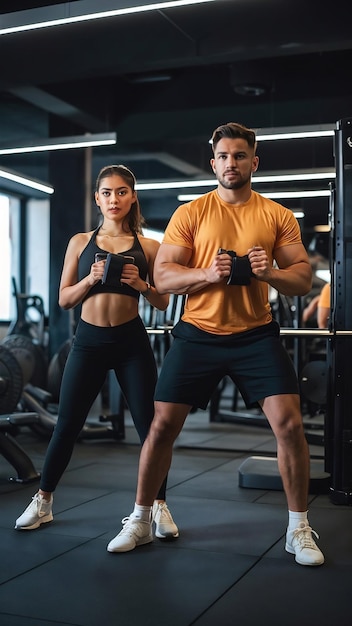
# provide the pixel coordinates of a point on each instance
(66, 431)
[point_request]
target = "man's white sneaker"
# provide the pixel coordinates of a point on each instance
(134, 533)
(300, 542)
(165, 527)
(37, 512)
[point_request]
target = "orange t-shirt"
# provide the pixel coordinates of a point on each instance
(207, 224)
(324, 299)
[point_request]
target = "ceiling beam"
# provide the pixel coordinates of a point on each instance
(51, 104)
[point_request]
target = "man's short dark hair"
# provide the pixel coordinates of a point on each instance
(232, 130)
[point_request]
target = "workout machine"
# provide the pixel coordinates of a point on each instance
(21, 360)
(30, 320)
(112, 426)
(338, 413)
(26, 336)
(24, 403)
(11, 382)
(256, 472)
(44, 402)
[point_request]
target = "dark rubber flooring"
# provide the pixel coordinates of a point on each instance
(227, 568)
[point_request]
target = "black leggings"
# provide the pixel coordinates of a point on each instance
(95, 350)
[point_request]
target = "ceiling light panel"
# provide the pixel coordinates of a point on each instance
(26, 182)
(81, 12)
(62, 143)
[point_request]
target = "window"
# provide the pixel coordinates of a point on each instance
(35, 263)
(38, 250)
(10, 254)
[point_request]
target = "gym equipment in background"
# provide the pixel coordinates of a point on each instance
(110, 426)
(30, 356)
(11, 385)
(338, 449)
(30, 320)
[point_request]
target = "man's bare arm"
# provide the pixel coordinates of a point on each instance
(293, 277)
(172, 274)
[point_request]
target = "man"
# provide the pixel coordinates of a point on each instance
(220, 250)
(320, 305)
(324, 305)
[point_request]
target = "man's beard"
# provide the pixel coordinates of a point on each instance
(233, 184)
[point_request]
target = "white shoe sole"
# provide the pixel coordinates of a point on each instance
(42, 520)
(169, 537)
(291, 550)
(141, 542)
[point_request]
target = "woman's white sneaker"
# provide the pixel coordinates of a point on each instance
(165, 527)
(37, 512)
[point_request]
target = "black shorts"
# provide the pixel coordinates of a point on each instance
(197, 361)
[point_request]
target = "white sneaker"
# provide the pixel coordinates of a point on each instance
(37, 512)
(134, 533)
(165, 527)
(300, 542)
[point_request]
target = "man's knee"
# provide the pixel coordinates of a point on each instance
(167, 422)
(290, 428)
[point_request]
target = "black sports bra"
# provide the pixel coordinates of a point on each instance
(87, 258)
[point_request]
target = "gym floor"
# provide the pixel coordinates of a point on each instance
(228, 566)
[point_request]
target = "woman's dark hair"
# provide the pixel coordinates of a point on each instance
(134, 219)
(232, 130)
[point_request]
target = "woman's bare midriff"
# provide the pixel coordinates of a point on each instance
(109, 309)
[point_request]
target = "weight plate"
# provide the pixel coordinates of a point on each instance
(314, 381)
(11, 381)
(23, 350)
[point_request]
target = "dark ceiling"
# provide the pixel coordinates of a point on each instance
(163, 79)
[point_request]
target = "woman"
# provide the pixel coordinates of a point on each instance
(110, 334)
